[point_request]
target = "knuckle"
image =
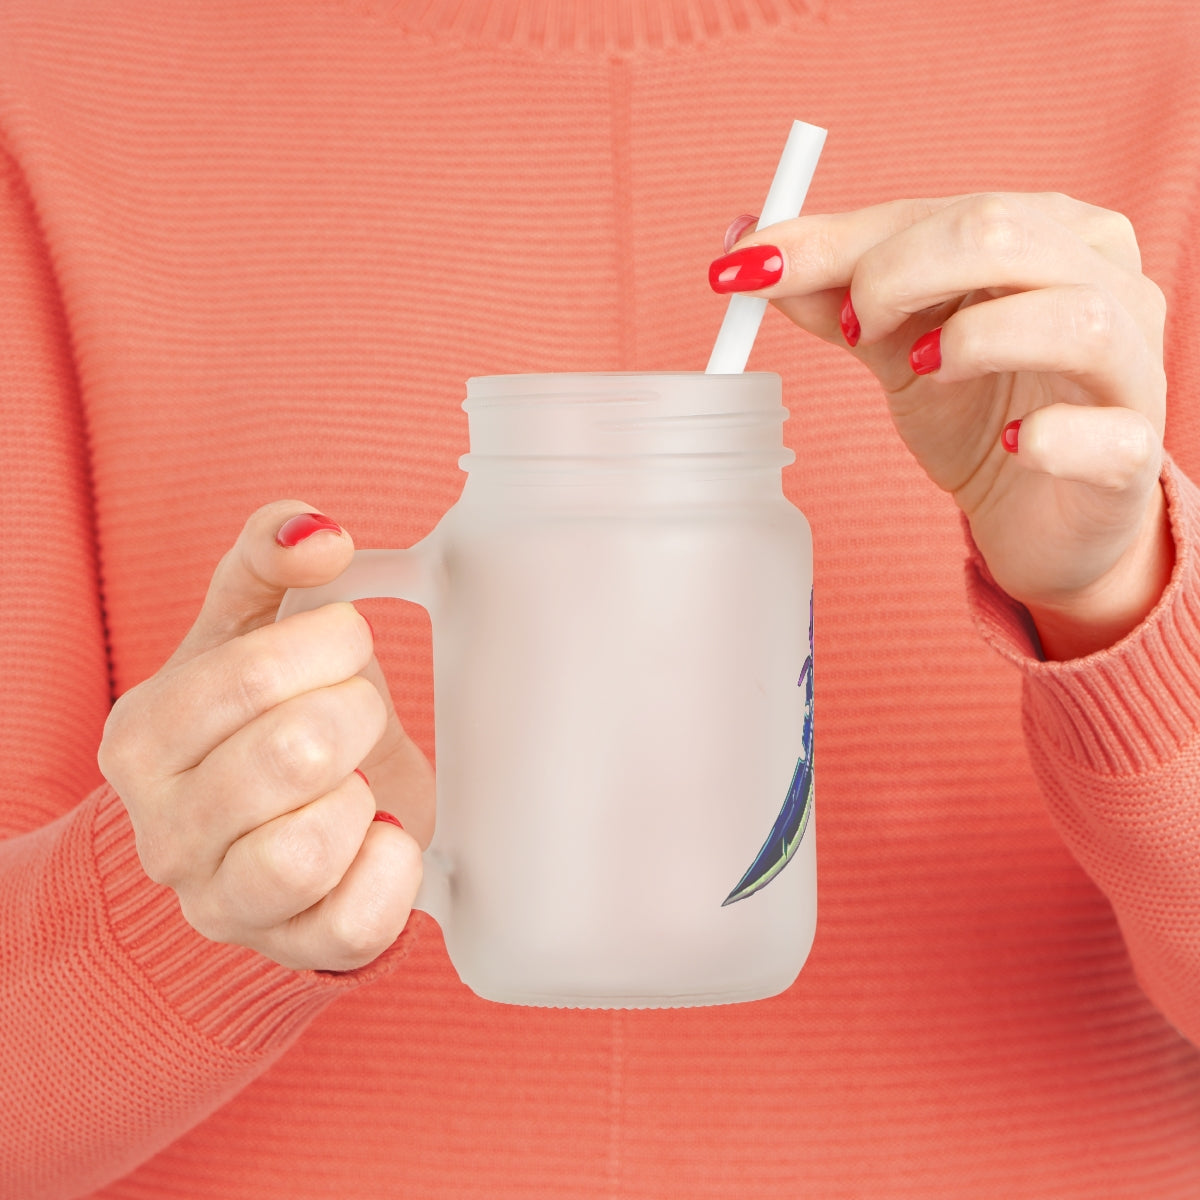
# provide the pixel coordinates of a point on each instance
(361, 933)
(816, 255)
(1112, 234)
(1117, 476)
(1117, 229)
(371, 712)
(258, 679)
(112, 753)
(969, 341)
(298, 859)
(1141, 447)
(1090, 318)
(159, 855)
(1059, 206)
(121, 753)
(1126, 448)
(994, 226)
(207, 918)
(298, 751)
(878, 286)
(917, 208)
(212, 916)
(1156, 300)
(351, 633)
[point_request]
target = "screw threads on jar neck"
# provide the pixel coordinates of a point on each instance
(625, 422)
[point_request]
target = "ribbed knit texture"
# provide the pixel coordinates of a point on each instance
(252, 251)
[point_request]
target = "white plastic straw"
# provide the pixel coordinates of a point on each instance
(788, 189)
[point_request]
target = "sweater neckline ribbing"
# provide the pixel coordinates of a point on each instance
(614, 26)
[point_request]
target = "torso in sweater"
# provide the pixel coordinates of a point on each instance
(284, 236)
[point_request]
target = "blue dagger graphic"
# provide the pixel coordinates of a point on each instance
(790, 825)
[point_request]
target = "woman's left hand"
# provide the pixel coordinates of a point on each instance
(978, 312)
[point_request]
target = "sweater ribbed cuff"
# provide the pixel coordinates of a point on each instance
(1130, 707)
(236, 997)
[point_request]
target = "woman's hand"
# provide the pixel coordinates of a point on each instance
(237, 762)
(979, 312)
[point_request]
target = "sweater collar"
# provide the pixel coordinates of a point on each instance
(616, 26)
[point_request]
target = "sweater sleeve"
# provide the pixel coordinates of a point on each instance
(1114, 739)
(120, 1027)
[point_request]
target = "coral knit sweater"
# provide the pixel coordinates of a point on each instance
(251, 251)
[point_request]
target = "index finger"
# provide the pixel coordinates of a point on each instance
(188, 710)
(821, 250)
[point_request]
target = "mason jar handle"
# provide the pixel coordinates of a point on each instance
(400, 575)
(396, 574)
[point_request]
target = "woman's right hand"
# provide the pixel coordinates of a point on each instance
(237, 762)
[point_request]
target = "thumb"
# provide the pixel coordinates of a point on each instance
(283, 545)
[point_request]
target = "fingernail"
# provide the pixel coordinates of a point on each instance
(746, 270)
(362, 777)
(737, 227)
(851, 330)
(1009, 436)
(380, 815)
(926, 353)
(295, 529)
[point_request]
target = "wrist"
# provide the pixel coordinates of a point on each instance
(1113, 606)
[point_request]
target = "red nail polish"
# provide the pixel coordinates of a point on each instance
(746, 270)
(295, 529)
(737, 228)
(1009, 436)
(926, 354)
(387, 816)
(851, 330)
(362, 777)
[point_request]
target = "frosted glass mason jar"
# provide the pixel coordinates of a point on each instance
(621, 603)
